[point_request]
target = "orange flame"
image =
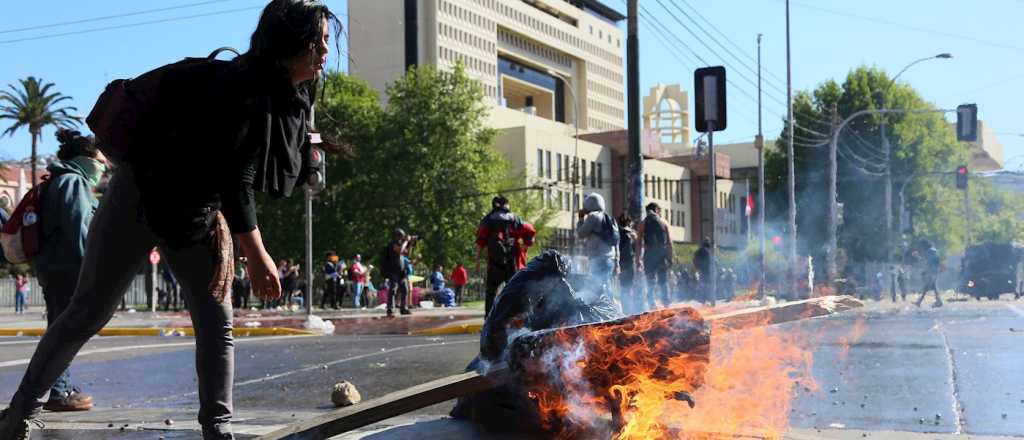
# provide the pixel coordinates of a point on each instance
(630, 379)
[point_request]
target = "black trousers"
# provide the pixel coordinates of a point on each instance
(496, 276)
(117, 246)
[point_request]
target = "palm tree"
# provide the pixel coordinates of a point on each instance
(35, 106)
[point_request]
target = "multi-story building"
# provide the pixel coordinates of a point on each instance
(551, 68)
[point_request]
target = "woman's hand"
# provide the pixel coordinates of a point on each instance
(261, 267)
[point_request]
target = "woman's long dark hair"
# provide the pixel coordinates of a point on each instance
(287, 28)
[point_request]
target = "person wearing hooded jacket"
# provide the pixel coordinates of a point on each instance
(68, 204)
(235, 127)
(600, 236)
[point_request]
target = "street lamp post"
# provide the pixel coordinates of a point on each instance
(888, 160)
(575, 154)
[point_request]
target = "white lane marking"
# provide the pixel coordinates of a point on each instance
(18, 362)
(1015, 309)
(19, 342)
(954, 388)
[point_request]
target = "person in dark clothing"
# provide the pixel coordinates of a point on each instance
(932, 262)
(331, 277)
(69, 204)
(172, 294)
(393, 268)
(702, 264)
(235, 127)
(242, 287)
(655, 249)
(505, 237)
(627, 266)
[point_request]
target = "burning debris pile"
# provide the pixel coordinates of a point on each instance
(580, 370)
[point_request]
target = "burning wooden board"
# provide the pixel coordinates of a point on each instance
(468, 384)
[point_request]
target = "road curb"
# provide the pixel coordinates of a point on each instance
(465, 327)
(165, 331)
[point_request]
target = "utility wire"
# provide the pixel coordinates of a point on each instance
(111, 17)
(130, 25)
(728, 40)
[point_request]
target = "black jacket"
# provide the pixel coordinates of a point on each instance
(222, 130)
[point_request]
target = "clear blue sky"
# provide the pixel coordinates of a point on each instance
(828, 37)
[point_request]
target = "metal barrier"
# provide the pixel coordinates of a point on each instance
(135, 296)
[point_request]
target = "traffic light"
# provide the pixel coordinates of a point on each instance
(317, 178)
(961, 177)
(967, 123)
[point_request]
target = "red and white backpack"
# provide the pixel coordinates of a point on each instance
(21, 237)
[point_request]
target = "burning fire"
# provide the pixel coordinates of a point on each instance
(638, 377)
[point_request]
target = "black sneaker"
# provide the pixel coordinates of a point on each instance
(220, 431)
(17, 429)
(406, 312)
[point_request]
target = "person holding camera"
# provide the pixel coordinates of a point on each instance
(393, 269)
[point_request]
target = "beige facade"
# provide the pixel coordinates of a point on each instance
(666, 110)
(579, 47)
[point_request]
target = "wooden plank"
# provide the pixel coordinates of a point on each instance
(390, 405)
(465, 384)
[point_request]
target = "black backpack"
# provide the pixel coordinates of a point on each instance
(118, 115)
(502, 249)
(609, 231)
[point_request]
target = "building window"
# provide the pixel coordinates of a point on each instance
(547, 163)
(593, 174)
(583, 172)
(600, 175)
(540, 162)
(558, 167)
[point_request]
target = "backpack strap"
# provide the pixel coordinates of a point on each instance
(213, 55)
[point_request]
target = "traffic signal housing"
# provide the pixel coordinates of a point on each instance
(961, 177)
(967, 123)
(317, 177)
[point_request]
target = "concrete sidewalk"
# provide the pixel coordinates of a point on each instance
(256, 322)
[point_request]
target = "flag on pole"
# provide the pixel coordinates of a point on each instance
(750, 205)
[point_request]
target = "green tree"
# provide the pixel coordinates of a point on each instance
(924, 150)
(424, 162)
(34, 106)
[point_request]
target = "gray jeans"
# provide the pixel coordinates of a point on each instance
(116, 247)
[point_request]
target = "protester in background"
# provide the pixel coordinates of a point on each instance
(297, 283)
(171, 285)
(69, 204)
(283, 268)
(600, 236)
(506, 237)
(437, 278)
(342, 286)
(627, 266)
(233, 128)
(392, 267)
(331, 277)
(242, 286)
(932, 262)
(655, 249)
(357, 279)
(459, 279)
(20, 293)
(410, 271)
(702, 263)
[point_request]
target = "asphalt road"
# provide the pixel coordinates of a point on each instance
(960, 362)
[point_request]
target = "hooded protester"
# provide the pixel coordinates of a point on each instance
(932, 264)
(69, 203)
(600, 236)
(237, 127)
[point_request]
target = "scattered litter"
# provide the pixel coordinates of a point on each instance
(834, 390)
(252, 324)
(862, 405)
(168, 422)
(378, 365)
(323, 367)
(436, 339)
(938, 416)
(1004, 415)
(836, 425)
(319, 324)
(345, 394)
(920, 421)
(915, 409)
(130, 311)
